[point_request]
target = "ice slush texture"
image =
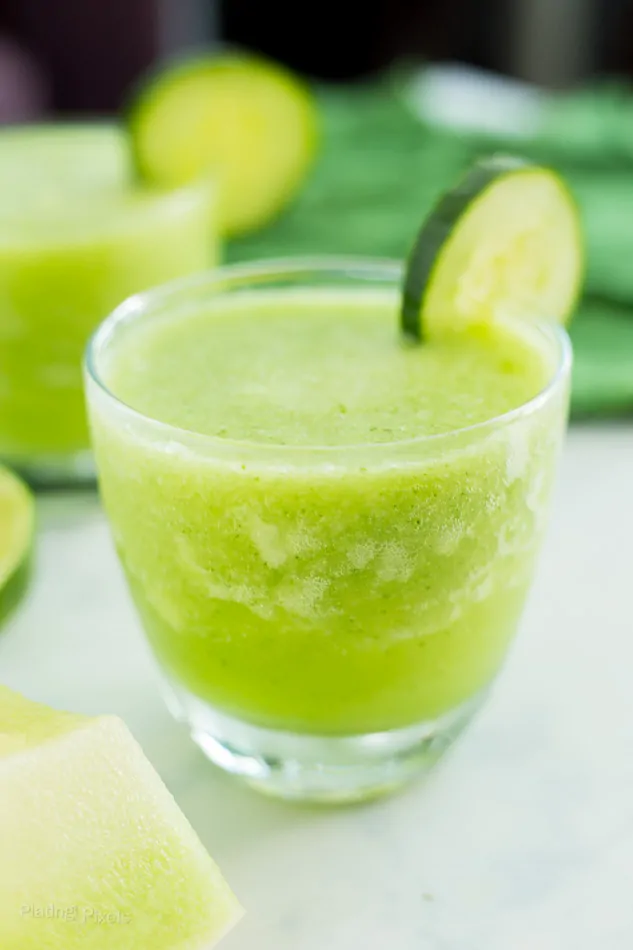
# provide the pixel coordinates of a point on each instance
(344, 590)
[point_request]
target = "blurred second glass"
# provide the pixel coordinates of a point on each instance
(78, 234)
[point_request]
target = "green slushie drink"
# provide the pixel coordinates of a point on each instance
(328, 530)
(76, 238)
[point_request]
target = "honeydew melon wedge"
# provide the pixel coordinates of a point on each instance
(94, 852)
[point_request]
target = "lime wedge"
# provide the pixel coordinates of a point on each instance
(507, 239)
(17, 528)
(248, 121)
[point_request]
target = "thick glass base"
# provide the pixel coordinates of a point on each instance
(55, 471)
(327, 769)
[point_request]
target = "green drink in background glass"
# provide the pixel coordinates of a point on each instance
(77, 236)
(328, 531)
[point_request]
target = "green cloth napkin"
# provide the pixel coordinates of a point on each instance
(602, 334)
(381, 169)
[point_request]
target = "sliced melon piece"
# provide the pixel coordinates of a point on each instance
(95, 854)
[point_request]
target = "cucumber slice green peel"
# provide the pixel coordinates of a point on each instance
(506, 240)
(17, 527)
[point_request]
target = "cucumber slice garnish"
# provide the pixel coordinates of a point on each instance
(507, 239)
(17, 528)
(242, 118)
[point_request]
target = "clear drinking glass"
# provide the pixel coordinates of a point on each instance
(327, 619)
(69, 253)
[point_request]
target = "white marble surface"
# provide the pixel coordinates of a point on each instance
(521, 840)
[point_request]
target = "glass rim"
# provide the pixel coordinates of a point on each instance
(78, 225)
(377, 270)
